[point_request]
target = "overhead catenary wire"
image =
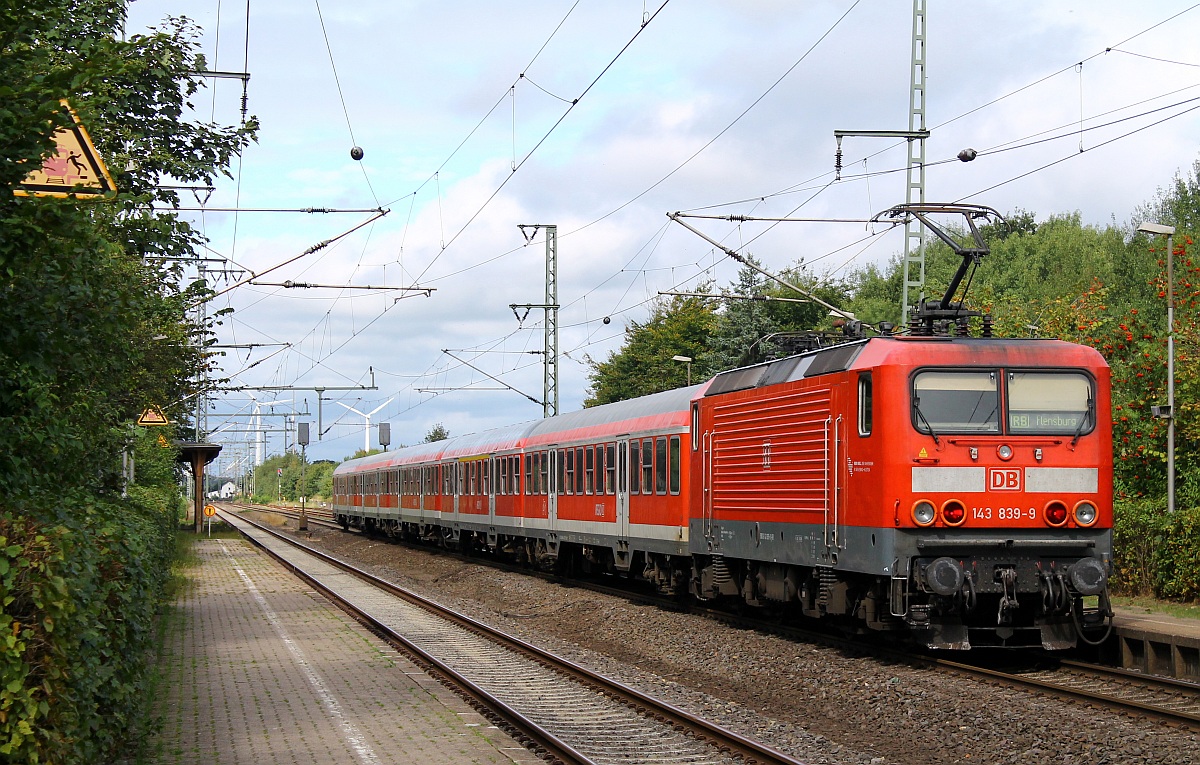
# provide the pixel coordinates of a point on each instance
(342, 98)
(864, 175)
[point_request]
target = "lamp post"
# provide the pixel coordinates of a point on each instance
(687, 360)
(1168, 232)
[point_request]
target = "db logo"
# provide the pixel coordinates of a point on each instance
(1004, 479)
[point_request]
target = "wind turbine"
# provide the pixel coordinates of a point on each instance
(366, 416)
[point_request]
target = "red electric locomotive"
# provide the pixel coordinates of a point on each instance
(959, 488)
(955, 488)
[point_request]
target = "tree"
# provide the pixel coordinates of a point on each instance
(93, 323)
(680, 326)
(437, 433)
(94, 328)
(744, 324)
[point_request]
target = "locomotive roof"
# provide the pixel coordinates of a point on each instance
(903, 349)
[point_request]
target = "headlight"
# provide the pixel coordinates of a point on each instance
(1004, 452)
(1085, 514)
(923, 513)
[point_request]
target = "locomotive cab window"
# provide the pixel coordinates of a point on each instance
(956, 402)
(1059, 403)
(865, 404)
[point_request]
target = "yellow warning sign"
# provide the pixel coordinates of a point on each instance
(76, 167)
(922, 454)
(153, 416)
(210, 511)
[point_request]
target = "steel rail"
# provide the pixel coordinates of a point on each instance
(1148, 682)
(1153, 683)
(721, 738)
(549, 745)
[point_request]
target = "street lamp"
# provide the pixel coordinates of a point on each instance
(1169, 415)
(687, 360)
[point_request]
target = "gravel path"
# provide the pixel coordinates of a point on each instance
(815, 703)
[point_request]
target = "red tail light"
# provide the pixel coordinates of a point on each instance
(1056, 513)
(953, 513)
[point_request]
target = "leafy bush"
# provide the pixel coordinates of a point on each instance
(1136, 536)
(80, 594)
(1177, 557)
(1156, 553)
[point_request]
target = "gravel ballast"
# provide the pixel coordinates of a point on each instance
(816, 703)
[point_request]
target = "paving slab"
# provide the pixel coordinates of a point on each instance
(258, 669)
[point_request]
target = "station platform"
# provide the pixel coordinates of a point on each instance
(258, 669)
(1157, 643)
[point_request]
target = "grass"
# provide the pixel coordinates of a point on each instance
(1147, 605)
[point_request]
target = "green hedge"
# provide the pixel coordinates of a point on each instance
(1155, 552)
(80, 588)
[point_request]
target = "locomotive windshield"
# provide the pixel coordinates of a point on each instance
(1048, 402)
(956, 402)
(1041, 402)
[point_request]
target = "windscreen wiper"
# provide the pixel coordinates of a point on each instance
(917, 409)
(1091, 410)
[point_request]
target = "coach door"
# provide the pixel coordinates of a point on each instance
(623, 488)
(552, 487)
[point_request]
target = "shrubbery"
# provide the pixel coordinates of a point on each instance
(1156, 552)
(80, 593)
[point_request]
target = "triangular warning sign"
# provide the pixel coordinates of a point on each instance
(75, 169)
(152, 416)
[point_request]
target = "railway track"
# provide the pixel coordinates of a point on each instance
(566, 712)
(1172, 701)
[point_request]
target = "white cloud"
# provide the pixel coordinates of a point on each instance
(418, 77)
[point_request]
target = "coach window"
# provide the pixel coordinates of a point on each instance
(635, 467)
(660, 465)
(674, 464)
(865, 404)
(589, 463)
(569, 466)
(610, 469)
(648, 466)
(563, 483)
(579, 470)
(544, 473)
(589, 470)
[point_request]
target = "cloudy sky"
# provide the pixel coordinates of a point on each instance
(600, 117)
